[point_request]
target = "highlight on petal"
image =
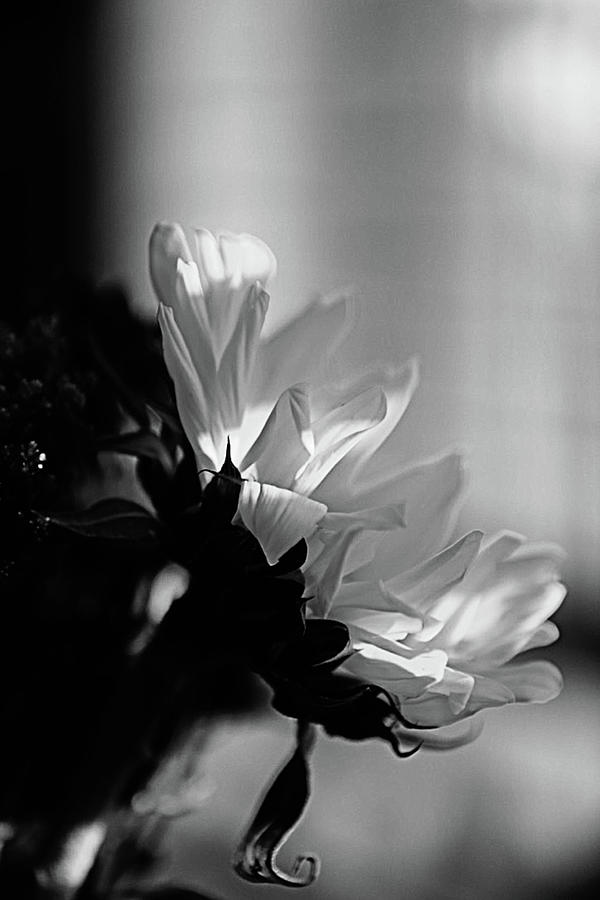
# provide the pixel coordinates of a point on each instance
(278, 518)
(246, 259)
(403, 676)
(426, 582)
(237, 360)
(193, 402)
(337, 431)
(277, 816)
(210, 262)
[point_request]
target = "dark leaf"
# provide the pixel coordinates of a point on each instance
(115, 519)
(325, 645)
(221, 496)
(292, 559)
(277, 816)
(140, 443)
(345, 707)
(372, 714)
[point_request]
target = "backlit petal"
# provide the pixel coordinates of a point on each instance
(278, 518)
(246, 259)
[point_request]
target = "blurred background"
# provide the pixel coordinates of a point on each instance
(441, 157)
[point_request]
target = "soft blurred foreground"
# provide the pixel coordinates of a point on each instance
(516, 814)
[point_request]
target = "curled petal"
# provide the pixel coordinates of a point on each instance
(337, 432)
(278, 518)
(456, 697)
(356, 467)
(279, 813)
(531, 682)
(167, 246)
(246, 259)
(285, 442)
(228, 270)
(447, 738)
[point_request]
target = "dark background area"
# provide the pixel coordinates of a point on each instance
(48, 160)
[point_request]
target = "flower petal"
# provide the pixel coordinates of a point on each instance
(420, 586)
(431, 492)
(285, 442)
(192, 403)
(434, 707)
(237, 361)
(278, 518)
(305, 344)
(324, 575)
(401, 676)
(246, 259)
(167, 246)
(530, 682)
(210, 261)
(352, 474)
(336, 432)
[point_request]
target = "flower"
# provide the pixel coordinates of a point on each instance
(435, 626)
(312, 438)
(457, 620)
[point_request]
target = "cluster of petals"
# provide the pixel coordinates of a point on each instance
(434, 625)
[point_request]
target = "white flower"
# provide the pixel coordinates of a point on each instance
(316, 438)
(211, 312)
(458, 618)
(435, 627)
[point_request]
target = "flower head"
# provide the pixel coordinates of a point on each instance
(458, 619)
(436, 627)
(399, 630)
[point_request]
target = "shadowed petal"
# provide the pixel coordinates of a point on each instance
(431, 493)
(531, 682)
(301, 347)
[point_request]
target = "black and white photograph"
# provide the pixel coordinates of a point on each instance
(300, 450)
